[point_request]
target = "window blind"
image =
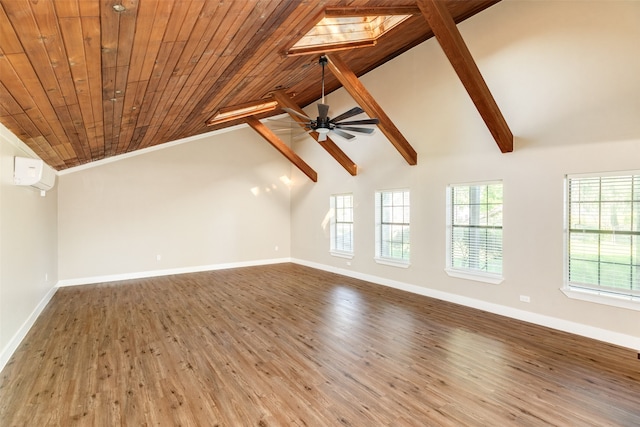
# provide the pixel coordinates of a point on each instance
(393, 225)
(475, 232)
(604, 234)
(342, 223)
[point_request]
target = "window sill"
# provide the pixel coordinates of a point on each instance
(478, 277)
(627, 302)
(341, 254)
(392, 263)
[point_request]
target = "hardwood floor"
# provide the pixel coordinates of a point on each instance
(287, 345)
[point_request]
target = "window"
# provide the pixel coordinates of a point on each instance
(603, 235)
(392, 227)
(342, 224)
(474, 231)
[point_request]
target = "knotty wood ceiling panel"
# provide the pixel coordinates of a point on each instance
(80, 82)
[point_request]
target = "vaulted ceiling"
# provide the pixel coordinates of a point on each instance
(81, 81)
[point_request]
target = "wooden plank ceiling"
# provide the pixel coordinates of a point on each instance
(80, 82)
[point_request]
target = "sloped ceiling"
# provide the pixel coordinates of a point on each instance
(80, 81)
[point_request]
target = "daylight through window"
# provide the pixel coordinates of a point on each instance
(474, 231)
(392, 225)
(603, 235)
(342, 224)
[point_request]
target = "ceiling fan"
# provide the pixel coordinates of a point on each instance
(325, 125)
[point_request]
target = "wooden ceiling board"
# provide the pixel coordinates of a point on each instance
(214, 60)
(80, 82)
(247, 56)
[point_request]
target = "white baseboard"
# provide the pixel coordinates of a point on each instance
(623, 340)
(17, 338)
(166, 272)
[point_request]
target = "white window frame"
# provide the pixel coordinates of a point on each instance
(336, 202)
(594, 292)
(382, 256)
(470, 273)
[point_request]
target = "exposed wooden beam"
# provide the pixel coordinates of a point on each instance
(362, 96)
(454, 47)
(285, 100)
(279, 145)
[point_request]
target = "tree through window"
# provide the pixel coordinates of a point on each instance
(474, 231)
(392, 225)
(603, 235)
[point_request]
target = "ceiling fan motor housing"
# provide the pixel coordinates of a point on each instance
(323, 123)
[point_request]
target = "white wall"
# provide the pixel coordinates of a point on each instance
(28, 249)
(566, 76)
(214, 201)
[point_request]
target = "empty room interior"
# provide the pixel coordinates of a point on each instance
(350, 213)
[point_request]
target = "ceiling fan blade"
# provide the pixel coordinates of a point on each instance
(290, 121)
(293, 125)
(301, 135)
(322, 137)
(353, 112)
(323, 111)
(290, 111)
(345, 135)
(355, 129)
(360, 122)
(281, 129)
(292, 129)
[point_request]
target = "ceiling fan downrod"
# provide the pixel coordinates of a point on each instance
(323, 61)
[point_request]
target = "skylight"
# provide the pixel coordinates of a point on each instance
(239, 111)
(345, 32)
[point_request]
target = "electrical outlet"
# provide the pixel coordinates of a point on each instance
(158, 257)
(525, 298)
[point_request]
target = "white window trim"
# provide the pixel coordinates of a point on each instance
(392, 262)
(475, 275)
(622, 301)
(333, 222)
(494, 279)
(340, 254)
(591, 295)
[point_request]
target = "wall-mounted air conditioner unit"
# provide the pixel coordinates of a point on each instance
(33, 172)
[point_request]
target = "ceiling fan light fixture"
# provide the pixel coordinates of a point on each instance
(119, 8)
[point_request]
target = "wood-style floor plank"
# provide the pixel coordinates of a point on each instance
(287, 345)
